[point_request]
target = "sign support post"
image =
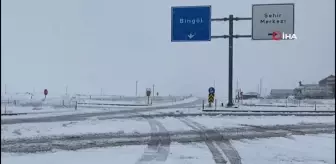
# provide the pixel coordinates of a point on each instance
(148, 94)
(230, 37)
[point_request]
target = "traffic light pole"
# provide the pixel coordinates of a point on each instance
(230, 37)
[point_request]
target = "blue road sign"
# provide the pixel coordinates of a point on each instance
(190, 23)
(211, 90)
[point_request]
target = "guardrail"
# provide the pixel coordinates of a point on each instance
(108, 104)
(270, 111)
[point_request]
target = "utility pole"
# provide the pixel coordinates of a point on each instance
(214, 85)
(66, 90)
(260, 92)
(237, 89)
(153, 90)
(237, 85)
(101, 91)
(5, 88)
(231, 37)
(136, 88)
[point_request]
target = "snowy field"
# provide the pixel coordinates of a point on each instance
(308, 149)
(27, 99)
(31, 112)
(37, 100)
(94, 125)
(43, 110)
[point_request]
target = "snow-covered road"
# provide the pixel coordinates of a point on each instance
(179, 154)
(308, 149)
(141, 125)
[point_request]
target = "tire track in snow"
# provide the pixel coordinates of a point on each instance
(158, 147)
(225, 146)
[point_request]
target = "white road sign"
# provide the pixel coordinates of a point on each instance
(270, 18)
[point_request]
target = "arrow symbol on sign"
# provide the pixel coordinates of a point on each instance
(190, 36)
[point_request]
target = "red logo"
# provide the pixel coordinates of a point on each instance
(276, 35)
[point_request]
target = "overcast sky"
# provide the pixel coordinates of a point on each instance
(92, 44)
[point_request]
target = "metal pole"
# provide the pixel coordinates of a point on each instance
(260, 87)
(136, 88)
(203, 102)
(5, 88)
(237, 87)
(230, 37)
(66, 90)
(215, 104)
(153, 90)
(237, 92)
(230, 103)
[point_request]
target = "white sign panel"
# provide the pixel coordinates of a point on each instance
(270, 19)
